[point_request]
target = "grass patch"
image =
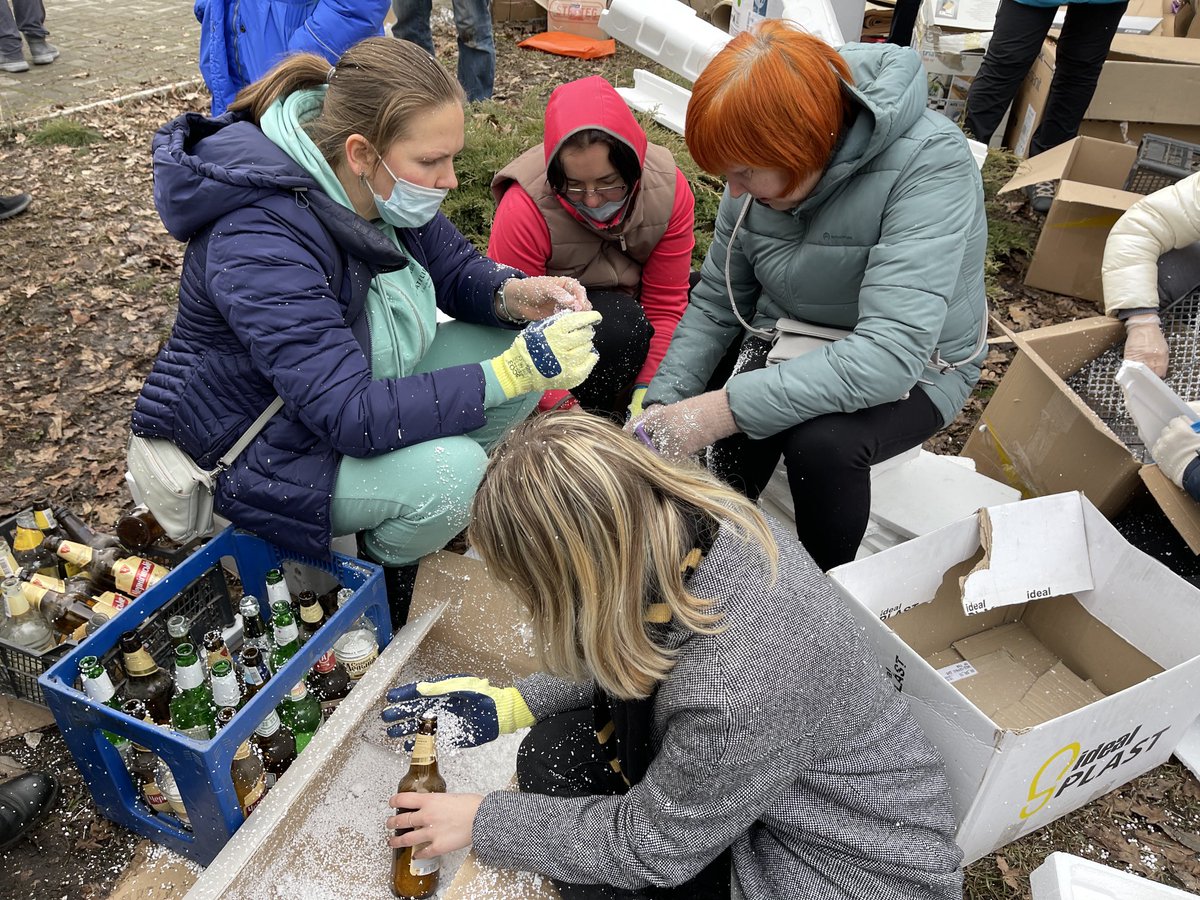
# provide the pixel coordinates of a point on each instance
(1008, 233)
(65, 133)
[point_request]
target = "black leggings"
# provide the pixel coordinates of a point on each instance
(561, 757)
(622, 341)
(828, 462)
(1016, 41)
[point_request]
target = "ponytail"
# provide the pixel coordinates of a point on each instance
(298, 72)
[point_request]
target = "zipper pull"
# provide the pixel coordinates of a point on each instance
(622, 239)
(301, 195)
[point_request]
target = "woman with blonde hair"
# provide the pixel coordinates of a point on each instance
(316, 262)
(707, 697)
(849, 205)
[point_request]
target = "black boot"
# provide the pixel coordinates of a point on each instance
(398, 581)
(23, 801)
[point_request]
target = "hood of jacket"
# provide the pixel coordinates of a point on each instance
(890, 92)
(590, 103)
(205, 168)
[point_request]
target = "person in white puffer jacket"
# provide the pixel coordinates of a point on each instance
(1166, 220)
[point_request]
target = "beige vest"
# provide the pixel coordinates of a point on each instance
(600, 259)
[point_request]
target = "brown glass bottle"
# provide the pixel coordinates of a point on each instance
(253, 670)
(28, 549)
(414, 879)
(51, 528)
(329, 682)
(64, 612)
(138, 529)
(312, 616)
(81, 533)
(143, 763)
(133, 575)
(144, 680)
(277, 745)
(248, 772)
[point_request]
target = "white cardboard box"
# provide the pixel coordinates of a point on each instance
(1101, 685)
(1066, 877)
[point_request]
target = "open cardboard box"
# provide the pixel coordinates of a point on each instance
(1088, 201)
(1037, 435)
(1148, 84)
(1087, 648)
(464, 622)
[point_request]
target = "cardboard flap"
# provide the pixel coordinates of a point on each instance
(1107, 198)
(1182, 511)
(1048, 166)
(1156, 48)
(1032, 549)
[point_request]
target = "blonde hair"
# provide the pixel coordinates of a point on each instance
(587, 527)
(376, 89)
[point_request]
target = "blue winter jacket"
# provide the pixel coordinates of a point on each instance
(272, 301)
(241, 39)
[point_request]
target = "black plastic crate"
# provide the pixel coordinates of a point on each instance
(1161, 161)
(206, 602)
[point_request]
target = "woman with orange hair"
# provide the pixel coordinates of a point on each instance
(848, 205)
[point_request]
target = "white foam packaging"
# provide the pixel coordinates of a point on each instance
(1066, 877)
(1085, 649)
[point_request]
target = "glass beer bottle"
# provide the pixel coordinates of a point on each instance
(414, 879)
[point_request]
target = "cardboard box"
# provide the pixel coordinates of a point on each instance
(517, 10)
(1104, 612)
(970, 15)
(1089, 200)
(1037, 435)
(951, 58)
(1148, 84)
(581, 17)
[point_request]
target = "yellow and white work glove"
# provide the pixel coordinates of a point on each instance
(483, 712)
(635, 402)
(1144, 342)
(1177, 446)
(551, 354)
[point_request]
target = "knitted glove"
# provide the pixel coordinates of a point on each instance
(1178, 445)
(484, 712)
(1144, 342)
(552, 354)
(683, 429)
(635, 402)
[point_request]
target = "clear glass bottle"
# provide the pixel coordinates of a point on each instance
(22, 625)
(359, 646)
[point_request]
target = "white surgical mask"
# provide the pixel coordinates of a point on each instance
(409, 205)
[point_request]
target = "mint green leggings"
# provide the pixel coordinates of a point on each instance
(410, 502)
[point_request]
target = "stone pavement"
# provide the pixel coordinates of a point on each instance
(110, 48)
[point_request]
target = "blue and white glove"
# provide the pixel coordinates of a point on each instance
(485, 712)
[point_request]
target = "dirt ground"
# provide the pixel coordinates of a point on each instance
(87, 288)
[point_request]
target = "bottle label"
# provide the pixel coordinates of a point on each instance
(269, 725)
(116, 601)
(8, 562)
(134, 575)
(285, 634)
(298, 692)
(140, 662)
(256, 794)
(356, 667)
(423, 751)
(196, 733)
(423, 867)
(49, 582)
(15, 603)
(312, 614)
(27, 539)
(45, 518)
(80, 554)
(33, 594)
(326, 663)
(251, 675)
(154, 796)
(190, 676)
(226, 691)
(99, 688)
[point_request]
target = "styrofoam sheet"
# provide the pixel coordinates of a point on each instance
(1066, 877)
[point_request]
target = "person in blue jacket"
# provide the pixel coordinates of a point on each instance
(316, 262)
(1021, 28)
(241, 39)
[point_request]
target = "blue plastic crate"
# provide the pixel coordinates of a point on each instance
(201, 768)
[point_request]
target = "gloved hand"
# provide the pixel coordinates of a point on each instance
(1144, 342)
(1177, 446)
(555, 353)
(682, 429)
(635, 402)
(484, 711)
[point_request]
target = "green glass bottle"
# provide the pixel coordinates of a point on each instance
(98, 686)
(225, 688)
(301, 713)
(193, 712)
(287, 642)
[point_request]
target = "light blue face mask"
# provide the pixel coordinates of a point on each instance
(601, 213)
(409, 205)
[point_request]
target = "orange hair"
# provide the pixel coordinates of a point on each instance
(772, 98)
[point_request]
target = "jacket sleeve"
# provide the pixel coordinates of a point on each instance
(520, 236)
(336, 25)
(1165, 220)
(664, 294)
(269, 283)
(464, 279)
(546, 695)
(910, 278)
(708, 326)
(713, 776)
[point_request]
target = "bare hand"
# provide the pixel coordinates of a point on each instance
(441, 823)
(543, 296)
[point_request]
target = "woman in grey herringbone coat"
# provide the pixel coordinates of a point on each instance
(708, 697)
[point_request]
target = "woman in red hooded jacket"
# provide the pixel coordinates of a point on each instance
(597, 201)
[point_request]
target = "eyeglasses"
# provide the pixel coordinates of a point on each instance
(578, 195)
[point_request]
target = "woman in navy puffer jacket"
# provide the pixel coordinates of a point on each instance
(315, 266)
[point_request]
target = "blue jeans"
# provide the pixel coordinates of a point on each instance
(28, 20)
(476, 47)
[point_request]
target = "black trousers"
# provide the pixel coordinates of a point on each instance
(561, 757)
(622, 340)
(828, 462)
(1017, 39)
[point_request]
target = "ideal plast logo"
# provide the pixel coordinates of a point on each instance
(1070, 767)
